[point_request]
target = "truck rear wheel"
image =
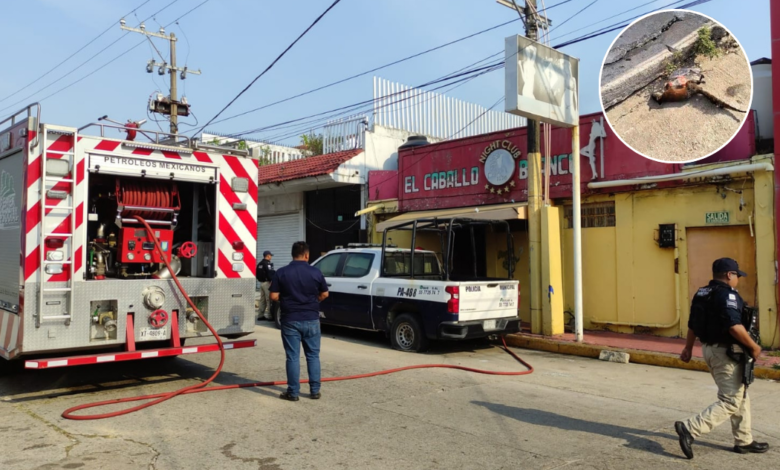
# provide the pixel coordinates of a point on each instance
(407, 334)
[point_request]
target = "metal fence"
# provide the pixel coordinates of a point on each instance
(268, 153)
(344, 134)
(433, 114)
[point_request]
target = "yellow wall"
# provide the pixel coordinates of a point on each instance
(627, 278)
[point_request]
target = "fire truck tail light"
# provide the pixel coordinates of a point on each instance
(238, 267)
(453, 305)
(238, 256)
(55, 243)
(238, 245)
(240, 185)
(55, 255)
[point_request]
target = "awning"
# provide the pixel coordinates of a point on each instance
(511, 211)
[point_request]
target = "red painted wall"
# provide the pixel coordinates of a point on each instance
(460, 166)
(382, 184)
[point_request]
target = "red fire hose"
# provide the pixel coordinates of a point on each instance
(198, 388)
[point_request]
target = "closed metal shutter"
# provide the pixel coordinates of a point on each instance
(277, 233)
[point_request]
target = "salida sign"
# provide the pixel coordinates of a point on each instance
(491, 171)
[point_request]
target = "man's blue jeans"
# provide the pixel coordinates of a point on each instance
(293, 334)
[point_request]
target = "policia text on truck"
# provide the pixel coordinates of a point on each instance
(726, 328)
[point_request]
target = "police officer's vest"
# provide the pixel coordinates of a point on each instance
(701, 322)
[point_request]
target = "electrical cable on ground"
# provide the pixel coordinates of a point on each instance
(158, 398)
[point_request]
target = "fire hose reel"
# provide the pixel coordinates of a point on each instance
(154, 297)
(158, 318)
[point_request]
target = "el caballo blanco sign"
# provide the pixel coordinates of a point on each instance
(501, 165)
(147, 167)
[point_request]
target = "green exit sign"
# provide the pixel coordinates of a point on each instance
(716, 217)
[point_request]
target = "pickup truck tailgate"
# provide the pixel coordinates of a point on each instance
(486, 300)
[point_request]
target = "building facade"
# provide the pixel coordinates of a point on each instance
(650, 230)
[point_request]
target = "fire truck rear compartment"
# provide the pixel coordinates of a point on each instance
(179, 212)
(126, 286)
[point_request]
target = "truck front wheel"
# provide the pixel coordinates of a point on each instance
(407, 334)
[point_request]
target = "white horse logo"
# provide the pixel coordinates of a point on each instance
(596, 132)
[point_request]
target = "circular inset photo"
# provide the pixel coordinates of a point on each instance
(676, 86)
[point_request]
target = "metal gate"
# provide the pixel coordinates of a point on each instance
(277, 233)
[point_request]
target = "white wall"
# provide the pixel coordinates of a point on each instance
(382, 147)
(762, 99)
(279, 204)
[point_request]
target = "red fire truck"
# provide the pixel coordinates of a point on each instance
(80, 273)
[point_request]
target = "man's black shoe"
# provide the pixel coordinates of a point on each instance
(287, 396)
(752, 448)
(315, 396)
(686, 440)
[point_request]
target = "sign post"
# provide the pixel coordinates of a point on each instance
(542, 84)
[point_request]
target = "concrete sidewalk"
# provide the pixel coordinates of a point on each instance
(643, 349)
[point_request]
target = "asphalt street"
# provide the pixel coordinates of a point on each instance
(571, 413)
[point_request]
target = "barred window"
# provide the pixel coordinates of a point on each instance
(599, 214)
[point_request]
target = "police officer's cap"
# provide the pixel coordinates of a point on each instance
(266, 253)
(725, 265)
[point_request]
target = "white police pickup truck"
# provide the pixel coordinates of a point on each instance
(375, 292)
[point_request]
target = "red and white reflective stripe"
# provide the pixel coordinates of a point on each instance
(236, 225)
(133, 355)
(9, 333)
(58, 221)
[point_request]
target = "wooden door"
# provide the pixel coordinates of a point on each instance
(706, 244)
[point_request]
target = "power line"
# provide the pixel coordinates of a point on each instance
(119, 56)
(367, 71)
(623, 22)
(573, 16)
(322, 15)
(350, 108)
(317, 123)
(83, 63)
(574, 41)
(396, 62)
(73, 54)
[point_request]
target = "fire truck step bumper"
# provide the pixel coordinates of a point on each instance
(133, 355)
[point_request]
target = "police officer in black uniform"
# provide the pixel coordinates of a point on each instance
(265, 274)
(716, 315)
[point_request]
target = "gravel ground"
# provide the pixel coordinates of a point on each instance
(689, 130)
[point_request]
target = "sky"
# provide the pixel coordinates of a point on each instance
(232, 41)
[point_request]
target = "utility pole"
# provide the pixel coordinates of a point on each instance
(534, 157)
(172, 107)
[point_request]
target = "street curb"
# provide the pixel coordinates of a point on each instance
(636, 355)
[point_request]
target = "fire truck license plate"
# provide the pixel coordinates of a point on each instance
(489, 325)
(147, 333)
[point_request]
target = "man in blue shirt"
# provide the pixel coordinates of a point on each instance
(300, 288)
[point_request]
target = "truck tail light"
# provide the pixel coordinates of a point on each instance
(453, 305)
(55, 243)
